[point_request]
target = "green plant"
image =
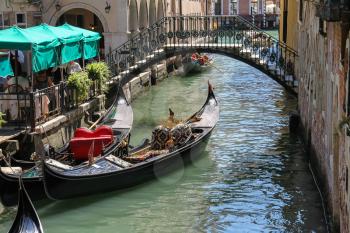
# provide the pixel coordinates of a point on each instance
(100, 72)
(81, 82)
(2, 121)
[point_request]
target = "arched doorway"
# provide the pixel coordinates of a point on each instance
(84, 19)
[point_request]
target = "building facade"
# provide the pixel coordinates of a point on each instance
(321, 36)
(116, 20)
(263, 13)
(21, 13)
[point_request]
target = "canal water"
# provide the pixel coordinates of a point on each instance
(253, 176)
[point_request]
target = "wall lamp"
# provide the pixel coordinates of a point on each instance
(107, 8)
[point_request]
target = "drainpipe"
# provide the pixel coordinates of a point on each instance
(285, 18)
(206, 7)
(180, 7)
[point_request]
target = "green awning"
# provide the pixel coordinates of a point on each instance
(5, 65)
(91, 40)
(70, 40)
(44, 46)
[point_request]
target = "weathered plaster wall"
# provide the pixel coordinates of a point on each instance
(323, 71)
(10, 9)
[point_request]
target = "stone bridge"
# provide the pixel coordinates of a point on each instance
(232, 36)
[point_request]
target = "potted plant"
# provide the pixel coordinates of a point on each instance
(100, 73)
(81, 82)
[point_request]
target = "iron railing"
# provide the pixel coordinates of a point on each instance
(231, 35)
(27, 110)
(16, 108)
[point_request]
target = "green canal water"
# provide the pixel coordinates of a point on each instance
(253, 176)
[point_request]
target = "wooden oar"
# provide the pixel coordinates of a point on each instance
(96, 122)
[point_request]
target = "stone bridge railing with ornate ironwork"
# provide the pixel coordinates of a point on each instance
(230, 35)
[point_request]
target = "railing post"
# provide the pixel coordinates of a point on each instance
(61, 95)
(32, 111)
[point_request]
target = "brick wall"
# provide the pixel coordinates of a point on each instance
(323, 71)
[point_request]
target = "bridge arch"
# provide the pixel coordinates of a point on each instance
(228, 35)
(288, 85)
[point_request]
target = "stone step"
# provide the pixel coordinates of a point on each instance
(124, 72)
(141, 62)
(246, 51)
(151, 56)
(255, 56)
(158, 51)
(133, 67)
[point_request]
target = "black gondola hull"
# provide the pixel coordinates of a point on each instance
(59, 187)
(27, 219)
(9, 189)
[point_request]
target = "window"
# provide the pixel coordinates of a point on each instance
(322, 27)
(233, 7)
(6, 19)
(301, 5)
(347, 180)
(1, 21)
(254, 7)
(21, 19)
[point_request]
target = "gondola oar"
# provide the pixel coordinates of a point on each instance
(27, 219)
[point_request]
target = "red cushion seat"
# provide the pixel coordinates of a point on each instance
(81, 143)
(81, 147)
(86, 133)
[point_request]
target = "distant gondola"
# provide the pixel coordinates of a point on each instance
(27, 219)
(119, 117)
(114, 172)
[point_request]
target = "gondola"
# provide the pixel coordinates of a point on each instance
(119, 118)
(27, 219)
(114, 172)
(196, 63)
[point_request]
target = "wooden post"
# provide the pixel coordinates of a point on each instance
(31, 69)
(16, 66)
(61, 71)
(62, 97)
(83, 57)
(32, 111)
